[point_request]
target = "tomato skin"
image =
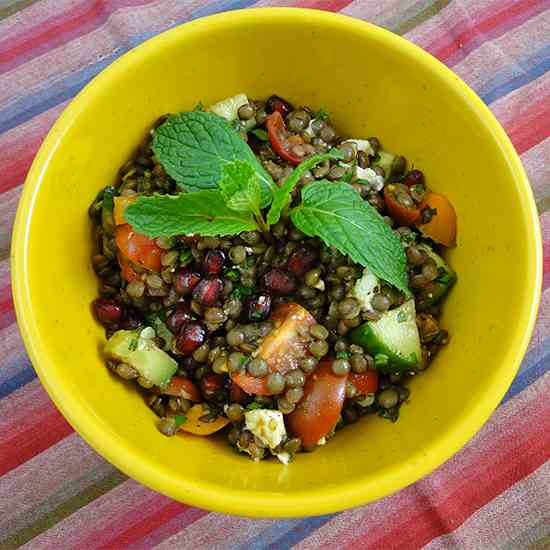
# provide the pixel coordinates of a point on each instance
(401, 214)
(127, 272)
(179, 386)
(282, 348)
(276, 130)
(442, 227)
(120, 205)
(318, 411)
(138, 248)
(365, 382)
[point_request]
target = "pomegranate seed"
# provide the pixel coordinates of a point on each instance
(211, 383)
(179, 317)
(279, 281)
(236, 394)
(276, 103)
(208, 291)
(302, 260)
(185, 281)
(258, 308)
(131, 321)
(413, 177)
(107, 311)
(192, 336)
(213, 262)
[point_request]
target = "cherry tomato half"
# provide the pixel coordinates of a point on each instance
(138, 248)
(318, 411)
(400, 205)
(442, 227)
(281, 140)
(179, 386)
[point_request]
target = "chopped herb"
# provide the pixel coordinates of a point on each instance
(342, 355)
(242, 292)
(444, 276)
(232, 275)
(401, 317)
(321, 114)
(253, 406)
(132, 346)
(260, 133)
(186, 256)
(180, 419)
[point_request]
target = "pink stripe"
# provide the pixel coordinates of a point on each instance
(57, 30)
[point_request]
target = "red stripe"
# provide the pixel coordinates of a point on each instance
(546, 264)
(58, 30)
(453, 40)
(31, 434)
(529, 128)
(134, 533)
(327, 5)
(7, 313)
(433, 522)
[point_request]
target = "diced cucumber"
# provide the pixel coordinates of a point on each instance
(395, 336)
(229, 109)
(141, 353)
(446, 278)
(391, 164)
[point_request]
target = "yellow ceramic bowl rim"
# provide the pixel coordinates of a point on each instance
(195, 491)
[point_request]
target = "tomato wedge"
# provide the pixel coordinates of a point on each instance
(179, 386)
(281, 140)
(365, 382)
(120, 205)
(400, 205)
(195, 426)
(318, 411)
(282, 348)
(138, 248)
(127, 272)
(442, 227)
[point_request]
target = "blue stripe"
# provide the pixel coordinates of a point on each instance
(516, 76)
(23, 377)
(24, 109)
(27, 107)
(283, 534)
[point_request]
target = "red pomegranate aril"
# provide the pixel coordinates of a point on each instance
(302, 260)
(259, 307)
(107, 311)
(213, 262)
(276, 103)
(211, 383)
(185, 281)
(236, 394)
(279, 281)
(192, 336)
(208, 291)
(413, 177)
(179, 317)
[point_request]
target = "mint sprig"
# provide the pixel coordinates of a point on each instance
(200, 213)
(281, 197)
(337, 214)
(193, 148)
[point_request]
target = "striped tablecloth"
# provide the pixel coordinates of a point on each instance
(55, 492)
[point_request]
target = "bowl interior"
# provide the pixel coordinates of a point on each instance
(372, 83)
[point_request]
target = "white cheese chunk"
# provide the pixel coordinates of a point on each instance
(267, 425)
(365, 288)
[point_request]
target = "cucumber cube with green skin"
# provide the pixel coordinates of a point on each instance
(143, 354)
(438, 288)
(228, 108)
(395, 336)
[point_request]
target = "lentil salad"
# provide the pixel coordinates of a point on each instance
(238, 302)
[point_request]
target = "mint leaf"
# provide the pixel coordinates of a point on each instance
(337, 214)
(260, 133)
(202, 213)
(282, 195)
(193, 148)
(240, 188)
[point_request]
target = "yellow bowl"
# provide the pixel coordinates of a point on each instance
(373, 83)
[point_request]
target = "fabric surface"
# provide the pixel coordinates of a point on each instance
(55, 492)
